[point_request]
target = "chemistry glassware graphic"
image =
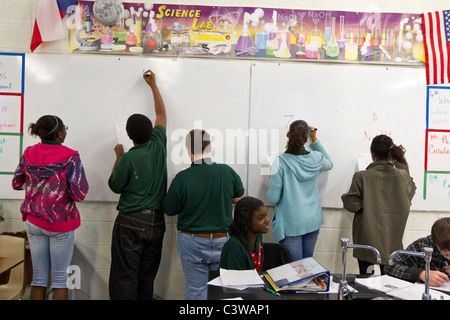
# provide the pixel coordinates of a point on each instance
(332, 49)
(245, 41)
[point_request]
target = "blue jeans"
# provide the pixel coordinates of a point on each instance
(50, 251)
(198, 256)
(302, 246)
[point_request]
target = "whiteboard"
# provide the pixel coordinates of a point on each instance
(245, 105)
(349, 104)
(94, 93)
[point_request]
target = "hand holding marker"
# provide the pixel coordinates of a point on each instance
(312, 134)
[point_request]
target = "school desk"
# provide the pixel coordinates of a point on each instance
(219, 293)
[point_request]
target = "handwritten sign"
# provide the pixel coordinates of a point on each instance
(11, 72)
(438, 112)
(438, 184)
(11, 110)
(438, 150)
(10, 152)
(11, 113)
(437, 144)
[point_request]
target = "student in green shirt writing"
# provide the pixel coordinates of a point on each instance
(202, 197)
(140, 177)
(244, 250)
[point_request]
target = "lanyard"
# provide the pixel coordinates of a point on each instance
(257, 262)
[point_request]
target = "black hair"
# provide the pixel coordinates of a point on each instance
(47, 127)
(383, 148)
(139, 128)
(298, 135)
(197, 141)
(440, 233)
(243, 213)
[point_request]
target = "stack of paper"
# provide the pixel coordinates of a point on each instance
(238, 279)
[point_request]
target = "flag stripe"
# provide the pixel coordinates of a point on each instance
(436, 33)
(425, 23)
(438, 36)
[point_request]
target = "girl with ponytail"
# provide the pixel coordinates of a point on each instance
(54, 179)
(294, 191)
(380, 197)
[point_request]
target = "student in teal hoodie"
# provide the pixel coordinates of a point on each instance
(294, 191)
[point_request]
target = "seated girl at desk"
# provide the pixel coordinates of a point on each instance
(243, 251)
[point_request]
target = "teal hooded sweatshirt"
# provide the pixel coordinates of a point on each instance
(294, 191)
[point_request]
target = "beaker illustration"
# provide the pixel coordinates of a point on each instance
(332, 50)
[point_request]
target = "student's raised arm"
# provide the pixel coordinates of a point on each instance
(160, 109)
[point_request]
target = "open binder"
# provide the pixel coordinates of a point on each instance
(306, 275)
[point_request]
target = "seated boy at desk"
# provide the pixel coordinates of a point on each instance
(412, 268)
(243, 251)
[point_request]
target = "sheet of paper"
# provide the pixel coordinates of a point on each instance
(241, 278)
(415, 292)
(383, 283)
(363, 161)
(445, 287)
(122, 136)
(282, 272)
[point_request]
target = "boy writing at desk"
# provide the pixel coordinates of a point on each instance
(412, 268)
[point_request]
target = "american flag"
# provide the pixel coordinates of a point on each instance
(436, 33)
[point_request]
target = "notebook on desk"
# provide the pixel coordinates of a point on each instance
(306, 275)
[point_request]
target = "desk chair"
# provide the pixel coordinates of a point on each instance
(275, 255)
(13, 247)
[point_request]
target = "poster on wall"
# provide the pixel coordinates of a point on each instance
(12, 71)
(437, 144)
(246, 32)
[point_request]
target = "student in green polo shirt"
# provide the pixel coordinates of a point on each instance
(244, 250)
(202, 197)
(140, 177)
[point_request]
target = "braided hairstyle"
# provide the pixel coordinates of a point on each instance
(47, 127)
(383, 148)
(298, 135)
(243, 214)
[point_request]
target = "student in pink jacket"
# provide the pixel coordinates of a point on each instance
(54, 179)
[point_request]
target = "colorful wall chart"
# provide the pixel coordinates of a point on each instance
(12, 68)
(256, 33)
(437, 143)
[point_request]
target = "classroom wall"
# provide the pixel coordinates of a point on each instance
(93, 238)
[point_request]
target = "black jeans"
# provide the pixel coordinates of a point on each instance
(135, 254)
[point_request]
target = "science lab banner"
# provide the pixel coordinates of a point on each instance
(246, 32)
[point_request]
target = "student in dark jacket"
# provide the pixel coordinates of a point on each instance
(380, 197)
